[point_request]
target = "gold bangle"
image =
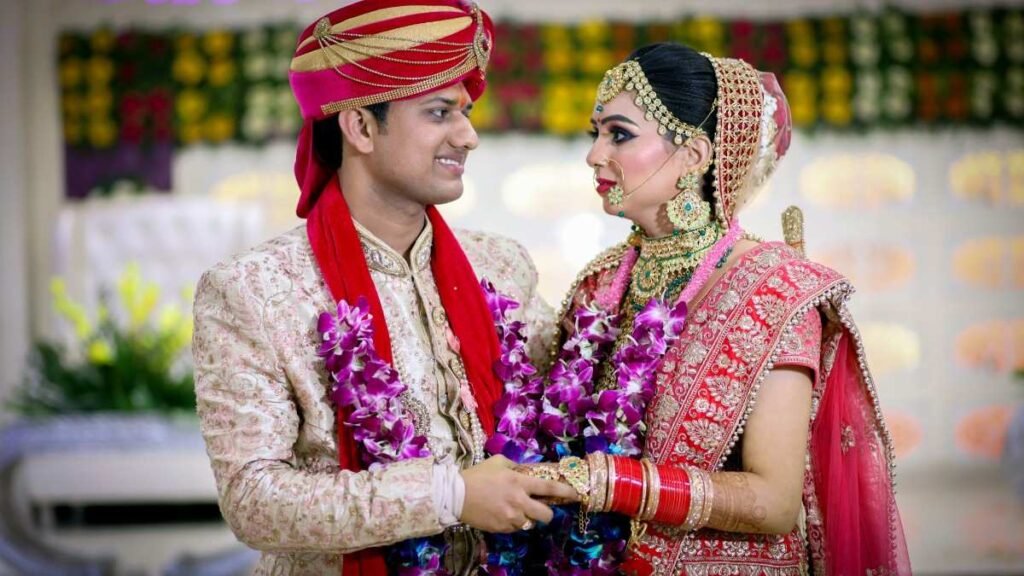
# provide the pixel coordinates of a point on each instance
(696, 498)
(709, 501)
(650, 507)
(644, 489)
(612, 478)
(598, 463)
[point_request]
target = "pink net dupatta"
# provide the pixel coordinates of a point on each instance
(863, 535)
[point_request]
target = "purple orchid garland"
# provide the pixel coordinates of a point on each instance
(516, 412)
(516, 429)
(610, 421)
(370, 388)
(567, 410)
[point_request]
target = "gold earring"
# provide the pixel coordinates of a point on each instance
(688, 210)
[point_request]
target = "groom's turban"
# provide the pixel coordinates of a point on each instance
(376, 51)
(381, 50)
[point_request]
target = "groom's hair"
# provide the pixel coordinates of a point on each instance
(327, 135)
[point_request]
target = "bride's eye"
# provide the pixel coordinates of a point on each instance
(619, 135)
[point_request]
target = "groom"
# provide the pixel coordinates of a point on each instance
(385, 88)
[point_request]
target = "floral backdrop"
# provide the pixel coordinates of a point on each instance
(130, 97)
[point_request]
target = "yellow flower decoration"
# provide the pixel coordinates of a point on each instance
(804, 54)
(707, 34)
(560, 60)
(219, 127)
(100, 102)
(593, 32)
(188, 68)
(799, 85)
(561, 114)
(190, 133)
(186, 42)
(102, 40)
(100, 352)
(222, 72)
(837, 111)
(483, 114)
(138, 298)
(177, 326)
(72, 104)
(71, 73)
(836, 79)
(71, 311)
(596, 62)
(834, 51)
(102, 133)
(101, 70)
(804, 112)
(556, 36)
(218, 43)
(191, 105)
(834, 27)
(800, 30)
(72, 131)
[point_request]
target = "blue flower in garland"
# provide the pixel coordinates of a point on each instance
(418, 556)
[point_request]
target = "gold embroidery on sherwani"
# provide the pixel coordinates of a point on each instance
(266, 417)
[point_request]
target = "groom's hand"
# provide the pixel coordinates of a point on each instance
(499, 499)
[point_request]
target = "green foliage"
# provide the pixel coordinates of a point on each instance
(139, 362)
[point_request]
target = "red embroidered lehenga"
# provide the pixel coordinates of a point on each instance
(771, 308)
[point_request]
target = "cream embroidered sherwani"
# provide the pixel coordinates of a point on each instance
(269, 425)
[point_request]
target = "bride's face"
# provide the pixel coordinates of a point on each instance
(628, 151)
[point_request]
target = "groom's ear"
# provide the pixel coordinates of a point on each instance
(358, 129)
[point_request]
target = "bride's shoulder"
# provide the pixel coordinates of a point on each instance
(609, 258)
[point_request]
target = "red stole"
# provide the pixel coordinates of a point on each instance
(338, 251)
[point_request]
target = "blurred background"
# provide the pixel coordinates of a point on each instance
(143, 141)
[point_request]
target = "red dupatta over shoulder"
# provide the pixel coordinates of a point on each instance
(338, 252)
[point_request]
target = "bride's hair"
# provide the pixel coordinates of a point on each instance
(684, 80)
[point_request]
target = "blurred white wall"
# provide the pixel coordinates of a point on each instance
(14, 298)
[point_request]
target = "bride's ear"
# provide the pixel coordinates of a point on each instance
(696, 152)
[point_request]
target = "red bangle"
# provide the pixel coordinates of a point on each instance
(674, 501)
(629, 484)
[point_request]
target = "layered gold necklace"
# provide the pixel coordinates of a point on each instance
(662, 270)
(666, 264)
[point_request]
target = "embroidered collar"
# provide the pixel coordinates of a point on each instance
(383, 258)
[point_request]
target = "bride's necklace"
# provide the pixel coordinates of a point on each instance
(666, 264)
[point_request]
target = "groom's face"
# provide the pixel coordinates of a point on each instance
(419, 153)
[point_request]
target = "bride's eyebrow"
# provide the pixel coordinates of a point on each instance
(618, 117)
